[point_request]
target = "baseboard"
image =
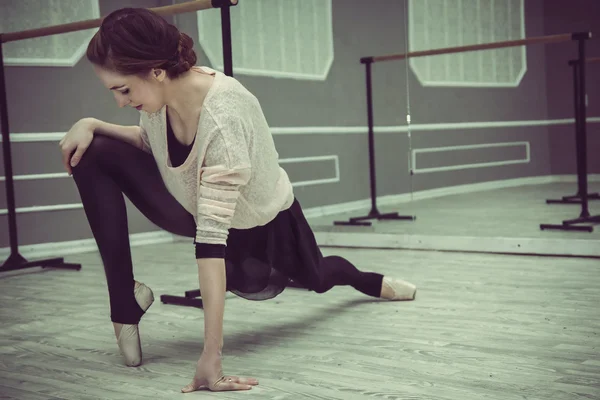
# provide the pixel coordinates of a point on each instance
(60, 249)
(573, 178)
(389, 200)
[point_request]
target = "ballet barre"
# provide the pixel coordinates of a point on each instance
(190, 6)
(565, 37)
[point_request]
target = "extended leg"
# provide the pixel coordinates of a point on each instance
(337, 271)
(323, 273)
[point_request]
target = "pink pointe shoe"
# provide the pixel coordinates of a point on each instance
(397, 289)
(128, 336)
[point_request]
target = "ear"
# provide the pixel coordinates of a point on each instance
(158, 74)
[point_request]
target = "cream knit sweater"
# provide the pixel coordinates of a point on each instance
(232, 177)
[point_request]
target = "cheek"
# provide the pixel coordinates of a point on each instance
(144, 95)
(153, 97)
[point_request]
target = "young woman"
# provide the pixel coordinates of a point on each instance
(202, 164)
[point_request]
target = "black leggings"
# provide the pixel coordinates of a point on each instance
(111, 168)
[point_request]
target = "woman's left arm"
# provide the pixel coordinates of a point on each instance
(222, 172)
(209, 371)
(212, 279)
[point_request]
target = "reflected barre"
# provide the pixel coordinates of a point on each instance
(484, 46)
(589, 60)
(190, 6)
(580, 122)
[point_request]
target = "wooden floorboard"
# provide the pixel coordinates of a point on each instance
(482, 327)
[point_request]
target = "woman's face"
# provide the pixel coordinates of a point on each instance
(133, 91)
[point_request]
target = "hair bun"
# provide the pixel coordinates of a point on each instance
(183, 59)
(186, 56)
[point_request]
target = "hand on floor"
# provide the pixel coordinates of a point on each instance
(209, 376)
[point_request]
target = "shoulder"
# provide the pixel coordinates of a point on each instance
(229, 96)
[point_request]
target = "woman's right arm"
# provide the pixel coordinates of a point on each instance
(74, 144)
(130, 134)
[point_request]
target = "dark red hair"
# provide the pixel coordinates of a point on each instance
(133, 41)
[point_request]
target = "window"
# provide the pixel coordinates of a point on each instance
(57, 50)
(449, 23)
(284, 39)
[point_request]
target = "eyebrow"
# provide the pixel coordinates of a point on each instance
(116, 87)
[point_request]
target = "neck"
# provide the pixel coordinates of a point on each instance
(186, 95)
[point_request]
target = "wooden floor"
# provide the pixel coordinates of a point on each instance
(498, 221)
(482, 327)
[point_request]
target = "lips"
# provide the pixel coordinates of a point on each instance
(139, 107)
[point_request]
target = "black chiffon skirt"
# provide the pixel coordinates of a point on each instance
(261, 261)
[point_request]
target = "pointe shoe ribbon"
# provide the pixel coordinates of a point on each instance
(399, 289)
(128, 338)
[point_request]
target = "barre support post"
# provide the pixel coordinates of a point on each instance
(581, 145)
(374, 213)
(226, 35)
(193, 298)
(16, 261)
(582, 150)
(371, 135)
(575, 199)
(14, 257)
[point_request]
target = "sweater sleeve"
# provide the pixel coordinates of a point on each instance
(225, 168)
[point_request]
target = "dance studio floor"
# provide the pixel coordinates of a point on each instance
(483, 326)
(497, 221)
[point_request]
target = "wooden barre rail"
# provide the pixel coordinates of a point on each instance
(486, 46)
(194, 5)
(589, 60)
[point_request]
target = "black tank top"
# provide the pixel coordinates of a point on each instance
(178, 152)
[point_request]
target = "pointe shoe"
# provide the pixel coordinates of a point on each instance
(128, 336)
(396, 289)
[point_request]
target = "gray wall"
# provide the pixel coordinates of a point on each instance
(49, 99)
(52, 99)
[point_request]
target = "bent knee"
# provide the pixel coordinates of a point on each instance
(101, 148)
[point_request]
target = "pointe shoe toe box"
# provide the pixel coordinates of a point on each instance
(130, 346)
(401, 290)
(128, 339)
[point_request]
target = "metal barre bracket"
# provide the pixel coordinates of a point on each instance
(223, 3)
(581, 35)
